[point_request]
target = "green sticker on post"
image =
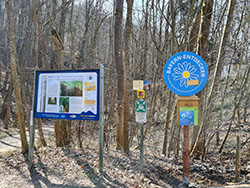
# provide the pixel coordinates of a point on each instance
(194, 109)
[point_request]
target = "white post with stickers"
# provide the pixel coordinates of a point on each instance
(141, 117)
(141, 113)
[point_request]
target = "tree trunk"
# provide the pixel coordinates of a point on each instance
(118, 12)
(69, 131)
(58, 133)
(217, 74)
(173, 128)
(59, 124)
(5, 83)
(62, 20)
(26, 110)
(44, 51)
(40, 132)
(245, 109)
(79, 138)
(35, 16)
(164, 148)
(201, 35)
(72, 35)
(16, 84)
(5, 94)
(127, 36)
(7, 116)
(5, 113)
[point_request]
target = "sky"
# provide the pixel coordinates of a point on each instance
(109, 6)
(110, 3)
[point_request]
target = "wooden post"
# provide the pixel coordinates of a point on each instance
(237, 160)
(189, 101)
(186, 155)
(101, 125)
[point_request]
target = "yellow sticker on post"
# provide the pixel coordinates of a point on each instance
(140, 94)
(192, 82)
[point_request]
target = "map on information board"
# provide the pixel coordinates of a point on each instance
(67, 94)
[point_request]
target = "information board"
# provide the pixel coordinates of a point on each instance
(185, 73)
(67, 94)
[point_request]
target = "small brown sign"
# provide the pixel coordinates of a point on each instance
(192, 82)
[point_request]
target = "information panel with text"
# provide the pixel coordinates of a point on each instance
(67, 94)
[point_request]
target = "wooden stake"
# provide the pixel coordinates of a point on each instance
(101, 121)
(186, 155)
(186, 101)
(237, 160)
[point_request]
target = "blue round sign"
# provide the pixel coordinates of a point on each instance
(185, 73)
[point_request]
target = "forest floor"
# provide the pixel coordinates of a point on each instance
(71, 167)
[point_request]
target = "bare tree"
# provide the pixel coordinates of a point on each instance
(127, 37)
(14, 62)
(218, 67)
(118, 13)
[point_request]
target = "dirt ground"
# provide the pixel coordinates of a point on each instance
(71, 167)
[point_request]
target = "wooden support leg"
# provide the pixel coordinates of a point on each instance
(186, 155)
